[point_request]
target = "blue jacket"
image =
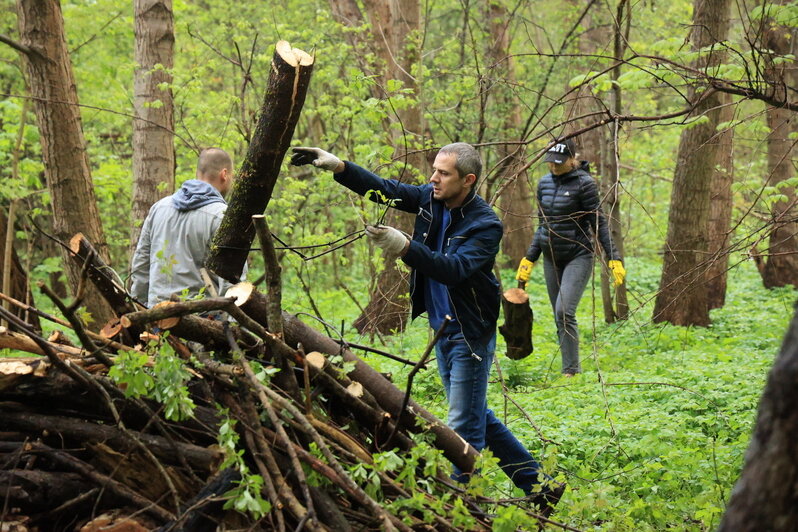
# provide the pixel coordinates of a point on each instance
(465, 265)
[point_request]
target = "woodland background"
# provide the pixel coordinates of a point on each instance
(685, 110)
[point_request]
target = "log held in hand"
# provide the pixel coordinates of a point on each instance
(517, 327)
(254, 183)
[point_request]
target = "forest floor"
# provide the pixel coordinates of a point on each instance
(652, 435)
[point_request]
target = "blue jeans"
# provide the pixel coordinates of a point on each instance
(566, 283)
(464, 370)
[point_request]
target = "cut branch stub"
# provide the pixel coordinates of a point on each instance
(251, 301)
(166, 323)
(252, 189)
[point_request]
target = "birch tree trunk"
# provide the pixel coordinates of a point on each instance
(682, 297)
(153, 140)
(66, 163)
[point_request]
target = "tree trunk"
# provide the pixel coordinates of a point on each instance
(599, 145)
(396, 25)
(720, 210)
(517, 212)
(254, 183)
(66, 163)
(153, 140)
(781, 267)
(611, 185)
(682, 297)
(764, 497)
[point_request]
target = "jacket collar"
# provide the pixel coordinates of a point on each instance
(457, 210)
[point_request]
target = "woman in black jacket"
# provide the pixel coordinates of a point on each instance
(569, 214)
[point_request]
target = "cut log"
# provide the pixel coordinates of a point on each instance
(389, 397)
(517, 327)
(36, 491)
(252, 189)
(254, 303)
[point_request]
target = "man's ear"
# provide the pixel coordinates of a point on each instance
(470, 180)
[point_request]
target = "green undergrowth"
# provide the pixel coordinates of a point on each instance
(651, 435)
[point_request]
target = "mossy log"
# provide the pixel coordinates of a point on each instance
(252, 189)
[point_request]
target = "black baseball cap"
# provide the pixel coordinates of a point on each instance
(561, 151)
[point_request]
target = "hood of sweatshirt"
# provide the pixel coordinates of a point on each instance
(195, 194)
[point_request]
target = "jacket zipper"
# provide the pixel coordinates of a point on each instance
(424, 241)
(451, 301)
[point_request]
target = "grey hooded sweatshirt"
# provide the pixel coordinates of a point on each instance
(174, 244)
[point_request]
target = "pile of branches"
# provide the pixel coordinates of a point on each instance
(285, 428)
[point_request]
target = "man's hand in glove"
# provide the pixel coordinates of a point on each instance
(618, 272)
(393, 242)
(318, 158)
(524, 270)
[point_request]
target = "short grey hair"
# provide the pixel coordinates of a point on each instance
(467, 159)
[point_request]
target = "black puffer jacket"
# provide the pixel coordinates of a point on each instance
(569, 211)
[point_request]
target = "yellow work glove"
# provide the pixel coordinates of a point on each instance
(618, 272)
(524, 270)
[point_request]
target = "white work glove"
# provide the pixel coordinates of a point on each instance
(392, 241)
(317, 157)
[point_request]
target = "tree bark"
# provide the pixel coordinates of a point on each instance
(517, 327)
(781, 267)
(60, 428)
(682, 297)
(720, 210)
(66, 163)
(611, 184)
(517, 211)
(764, 497)
(40, 491)
(153, 140)
(101, 275)
(252, 189)
(395, 25)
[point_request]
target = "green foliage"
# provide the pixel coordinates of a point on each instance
(658, 441)
(246, 496)
(163, 380)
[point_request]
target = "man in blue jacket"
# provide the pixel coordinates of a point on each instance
(455, 241)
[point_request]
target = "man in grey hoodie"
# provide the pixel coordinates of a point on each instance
(177, 233)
